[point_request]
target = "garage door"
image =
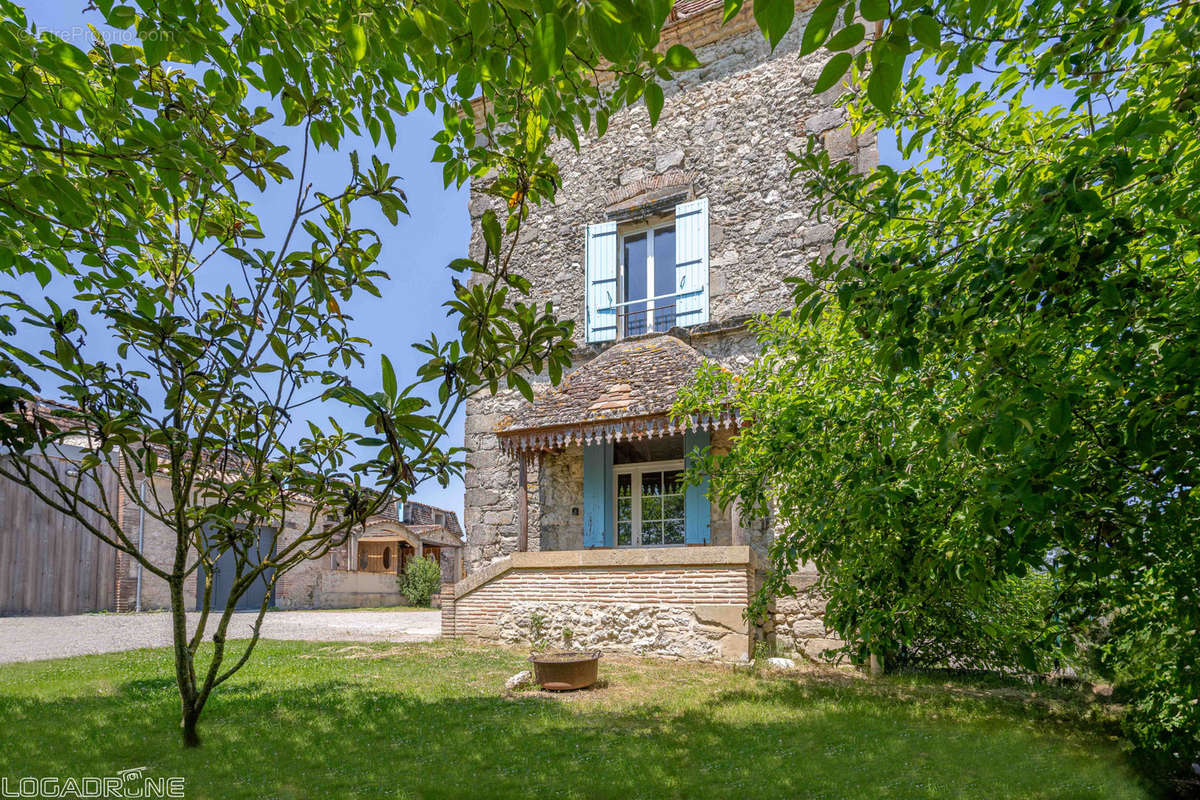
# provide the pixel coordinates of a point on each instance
(225, 571)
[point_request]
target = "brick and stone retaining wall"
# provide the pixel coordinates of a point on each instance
(797, 622)
(676, 602)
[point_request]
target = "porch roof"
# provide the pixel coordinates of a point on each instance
(624, 393)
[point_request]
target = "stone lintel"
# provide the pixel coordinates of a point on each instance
(724, 616)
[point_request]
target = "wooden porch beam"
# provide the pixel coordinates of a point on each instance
(522, 504)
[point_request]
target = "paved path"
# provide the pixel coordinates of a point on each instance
(35, 638)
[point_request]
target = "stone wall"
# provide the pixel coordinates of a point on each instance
(346, 589)
(797, 622)
(674, 601)
(729, 123)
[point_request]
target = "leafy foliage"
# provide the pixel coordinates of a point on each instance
(129, 172)
(852, 462)
(421, 580)
(1027, 299)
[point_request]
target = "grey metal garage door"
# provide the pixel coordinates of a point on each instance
(225, 571)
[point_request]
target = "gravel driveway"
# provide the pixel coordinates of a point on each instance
(35, 638)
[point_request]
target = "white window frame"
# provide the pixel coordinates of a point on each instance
(653, 292)
(636, 470)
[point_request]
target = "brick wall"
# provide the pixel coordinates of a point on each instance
(679, 602)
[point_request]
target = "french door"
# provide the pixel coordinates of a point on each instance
(649, 504)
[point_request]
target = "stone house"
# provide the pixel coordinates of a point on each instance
(359, 574)
(662, 244)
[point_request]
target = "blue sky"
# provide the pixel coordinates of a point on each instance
(415, 252)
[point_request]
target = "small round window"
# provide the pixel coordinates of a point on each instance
(387, 558)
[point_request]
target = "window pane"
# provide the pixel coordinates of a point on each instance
(624, 509)
(651, 508)
(664, 277)
(624, 498)
(624, 533)
(652, 483)
(635, 283)
(673, 531)
(673, 506)
(673, 480)
(652, 532)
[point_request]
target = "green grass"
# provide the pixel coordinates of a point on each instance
(431, 721)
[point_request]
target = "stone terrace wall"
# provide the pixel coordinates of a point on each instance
(674, 602)
(797, 622)
(729, 123)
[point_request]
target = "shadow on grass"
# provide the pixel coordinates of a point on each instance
(772, 738)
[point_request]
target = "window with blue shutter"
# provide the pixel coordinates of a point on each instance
(648, 278)
(691, 262)
(597, 495)
(695, 501)
(601, 280)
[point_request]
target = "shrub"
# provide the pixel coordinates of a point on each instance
(421, 580)
(1012, 626)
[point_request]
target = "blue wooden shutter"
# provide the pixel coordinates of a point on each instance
(691, 262)
(597, 495)
(601, 277)
(695, 498)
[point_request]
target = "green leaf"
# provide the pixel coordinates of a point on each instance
(882, 85)
(774, 18)
(820, 25)
(549, 45)
(874, 10)
(356, 41)
(72, 57)
(680, 58)
(1027, 657)
(654, 101)
(491, 231)
(121, 17)
(834, 69)
(926, 31)
(389, 376)
(847, 37)
(610, 37)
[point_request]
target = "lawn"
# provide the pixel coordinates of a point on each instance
(431, 721)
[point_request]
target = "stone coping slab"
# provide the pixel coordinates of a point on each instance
(600, 558)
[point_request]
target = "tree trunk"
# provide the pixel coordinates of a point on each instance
(191, 738)
(185, 672)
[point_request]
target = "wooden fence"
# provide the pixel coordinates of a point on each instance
(49, 563)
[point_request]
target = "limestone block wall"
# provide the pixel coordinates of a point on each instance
(674, 601)
(346, 589)
(797, 622)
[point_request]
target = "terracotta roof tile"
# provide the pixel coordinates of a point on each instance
(633, 378)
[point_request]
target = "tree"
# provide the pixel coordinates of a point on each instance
(1026, 296)
(129, 171)
(852, 463)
